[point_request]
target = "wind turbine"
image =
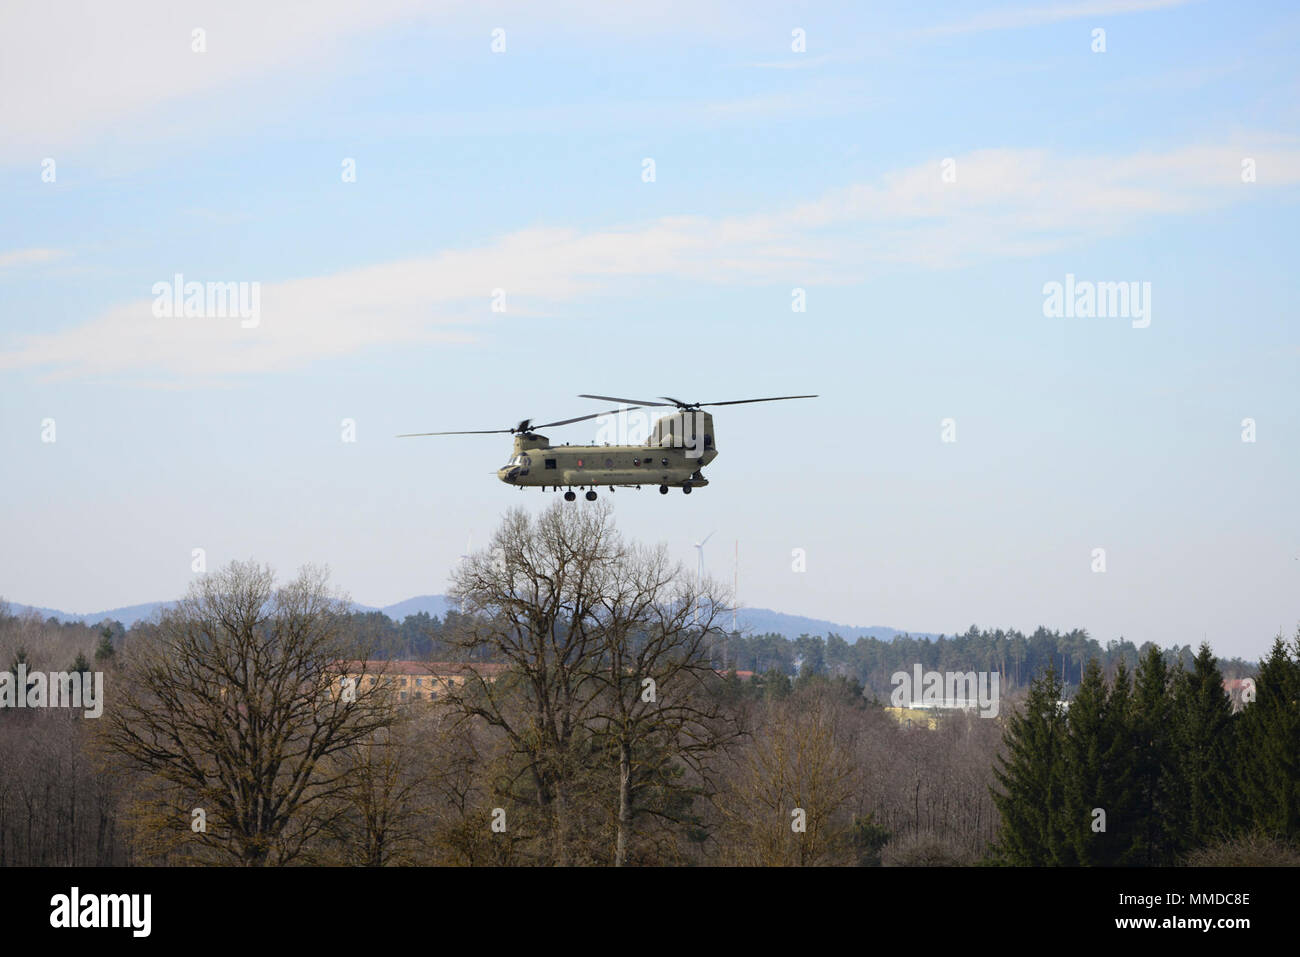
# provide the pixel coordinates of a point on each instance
(699, 564)
(464, 558)
(699, 586)
(735, 603)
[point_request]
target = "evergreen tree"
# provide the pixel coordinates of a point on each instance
(21, 658)
(1085, 778)
(1155, 811)
(1121, 763)
(1099, 769)
(104, 651)
(1029, 775)
(1205, 738)
(1269, 749)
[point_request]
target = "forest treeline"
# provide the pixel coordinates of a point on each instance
(241, 727)
(871, 662)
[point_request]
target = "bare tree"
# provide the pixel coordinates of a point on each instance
(529, 602)
(236, 705)
(791, 789)
(582, 620)
(659, 705)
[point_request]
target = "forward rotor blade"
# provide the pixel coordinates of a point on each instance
(611, 398)
(581, 418)
(775, 398)
(411, 435)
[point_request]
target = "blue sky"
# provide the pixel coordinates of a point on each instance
(774, 170)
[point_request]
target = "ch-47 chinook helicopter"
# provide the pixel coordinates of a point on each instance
(680, 444)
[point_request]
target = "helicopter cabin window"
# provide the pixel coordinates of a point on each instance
(609, 463)
(550, 463)
(636, 462)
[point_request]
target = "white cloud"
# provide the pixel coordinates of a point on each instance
(29, 257)
(1007, 203)
(1014, 19)
(432, 299)
(798, 61)
(1004, 203)
(72, 72)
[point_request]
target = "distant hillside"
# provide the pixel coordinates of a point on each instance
(128, 615)
(434, 605)
(758, 621)
(762, 621)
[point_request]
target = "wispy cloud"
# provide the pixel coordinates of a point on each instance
(423, 300)
(1017, 18)
(796, 62)
(1002, 204)
(29, 257)
(219, 217)
(72, 73)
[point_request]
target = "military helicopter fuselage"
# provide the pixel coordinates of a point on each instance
(679, 446)
(672, 456)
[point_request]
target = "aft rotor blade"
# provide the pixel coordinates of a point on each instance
(611, 398)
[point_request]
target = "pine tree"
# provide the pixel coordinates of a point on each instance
(1099, 769)
(1269, 750)
(1029, 775)
(1121, 763)
(1155, 810)
(1205, 739)
(105, 651)
(1085, 778)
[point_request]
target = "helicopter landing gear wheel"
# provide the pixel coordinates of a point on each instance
(663, 489)
(591, 495)
(686, 488)
(569, 496)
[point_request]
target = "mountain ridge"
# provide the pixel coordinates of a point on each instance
(757, 621)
